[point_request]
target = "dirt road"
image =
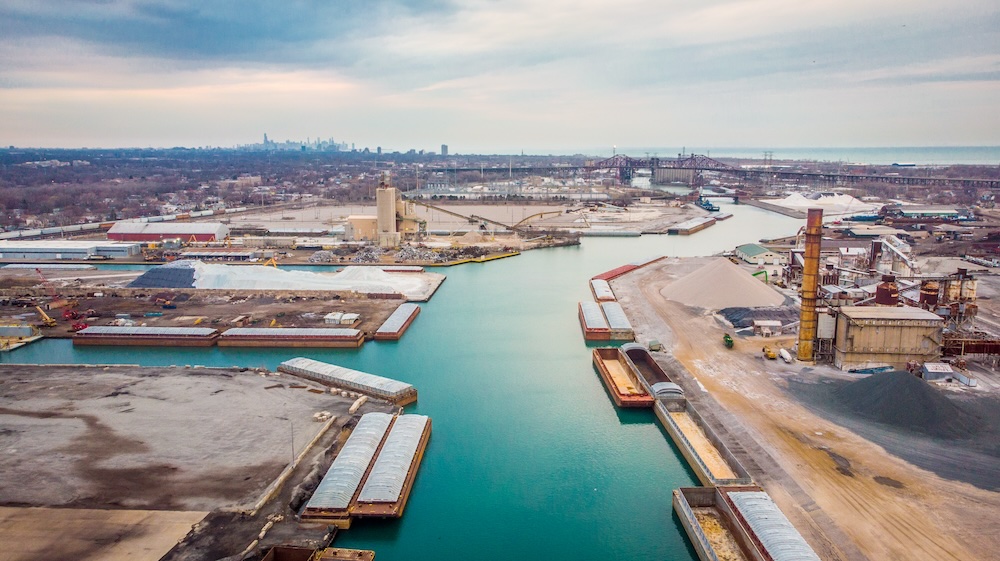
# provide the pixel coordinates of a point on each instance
(848, 497)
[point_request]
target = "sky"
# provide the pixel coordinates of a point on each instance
(500, 76)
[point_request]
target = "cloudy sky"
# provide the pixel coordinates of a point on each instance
(501, 75)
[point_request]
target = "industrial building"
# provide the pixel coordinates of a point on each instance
(395, 220)
(876, 336)
(759, 255)
(158, 231)
(47, 250)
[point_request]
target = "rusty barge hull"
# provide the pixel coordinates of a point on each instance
(289, 343)
(619, 378)
(133, 341)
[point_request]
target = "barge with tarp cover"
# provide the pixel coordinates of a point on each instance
(146, 336)
(737, 524)
(691, 226)
(602, 290)
(595, 326)
(397, 323)
(619, 377)
(290, 337)
(373, 474)
(339, 377)
(620, 329)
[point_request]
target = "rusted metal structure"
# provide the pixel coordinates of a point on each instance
(810, 283)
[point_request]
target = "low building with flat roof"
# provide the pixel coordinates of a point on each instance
(873, 336)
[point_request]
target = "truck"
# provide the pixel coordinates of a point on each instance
(727, 340)
(785, 356)
(769, 353)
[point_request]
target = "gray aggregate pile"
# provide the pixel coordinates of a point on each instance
(744, 317)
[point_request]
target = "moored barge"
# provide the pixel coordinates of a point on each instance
(290, 337)
(397, 323)
(650, 374)
(339, 377)
(146, 336)
(619, 378)
(691, 226)
(595, 326)
(619, 327)
(601, 290)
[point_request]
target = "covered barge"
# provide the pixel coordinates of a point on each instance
(290, 337)
(737, 524)
(619, 377)
(595, 326)
(397, 323)
(620, 329)
(691, 226)
(339, 377)
(601, 290)
(373, 474)
(146, 336)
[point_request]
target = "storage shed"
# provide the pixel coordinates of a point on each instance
(759, 255)
(874, 336)
(158, 231)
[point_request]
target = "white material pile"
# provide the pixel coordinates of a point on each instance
(831, 203)
(259, 277)
(721, 284)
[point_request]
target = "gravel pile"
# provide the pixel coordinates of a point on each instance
(368, 254)
(322, 257)
(902, 400)
(410, 253)
(722, 284)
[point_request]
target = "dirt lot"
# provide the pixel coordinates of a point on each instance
(848, 497)
(178, 441)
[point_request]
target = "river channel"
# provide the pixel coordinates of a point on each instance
(529, 458)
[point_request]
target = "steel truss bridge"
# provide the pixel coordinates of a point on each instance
(627, 166)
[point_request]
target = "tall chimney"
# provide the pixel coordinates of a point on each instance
(808, 320)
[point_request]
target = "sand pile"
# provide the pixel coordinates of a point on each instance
(197, 274)
(831, 203)
(721, 284)
(902, 400)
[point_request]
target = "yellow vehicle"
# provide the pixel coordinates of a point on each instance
(46, 320)
(769, 353)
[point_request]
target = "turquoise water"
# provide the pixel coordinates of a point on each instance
(529, 458)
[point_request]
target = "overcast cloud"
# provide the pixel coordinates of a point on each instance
(489, 76)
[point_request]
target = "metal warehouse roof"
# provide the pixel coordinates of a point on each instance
(70, 245)
(385, 482)
(337, 488)
(398, 318)
(338, 373)
(181, 228)
(781, 540)
(292, 331)
(752, 249)
(592, 315)
(602, 290)
(616, 315)
(887, 312)
(169, 331)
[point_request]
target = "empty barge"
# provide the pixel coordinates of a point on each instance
(146, 336)
(738, 524)
(650, 374)
(374, 472)
(397, 323)
(691, 226)
(335, 376)
(595, 326)
(619, 377)
(290, 337)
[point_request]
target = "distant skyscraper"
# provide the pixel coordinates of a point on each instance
(444, 149)
(379, 150)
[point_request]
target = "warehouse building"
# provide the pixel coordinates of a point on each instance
(48, 250)
(158, 231)
(759, 255)
(874, 336)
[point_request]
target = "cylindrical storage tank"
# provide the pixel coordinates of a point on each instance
(929, 294)
(887, 293)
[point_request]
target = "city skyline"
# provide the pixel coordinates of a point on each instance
(500, 78)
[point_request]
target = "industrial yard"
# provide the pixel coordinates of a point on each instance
(167, 444)
(816, 444)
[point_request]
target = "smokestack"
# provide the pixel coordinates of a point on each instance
(808, 320)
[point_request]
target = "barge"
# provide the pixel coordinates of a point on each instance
(738, 524)
(397, 323)
(339, 377)
(712, 462)
(691, 226)
(373, 474)
(618, 376)
(620, 329)
(146, 336)
(595, 326)
(601, 290)
(650, 374)
(290, 337)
